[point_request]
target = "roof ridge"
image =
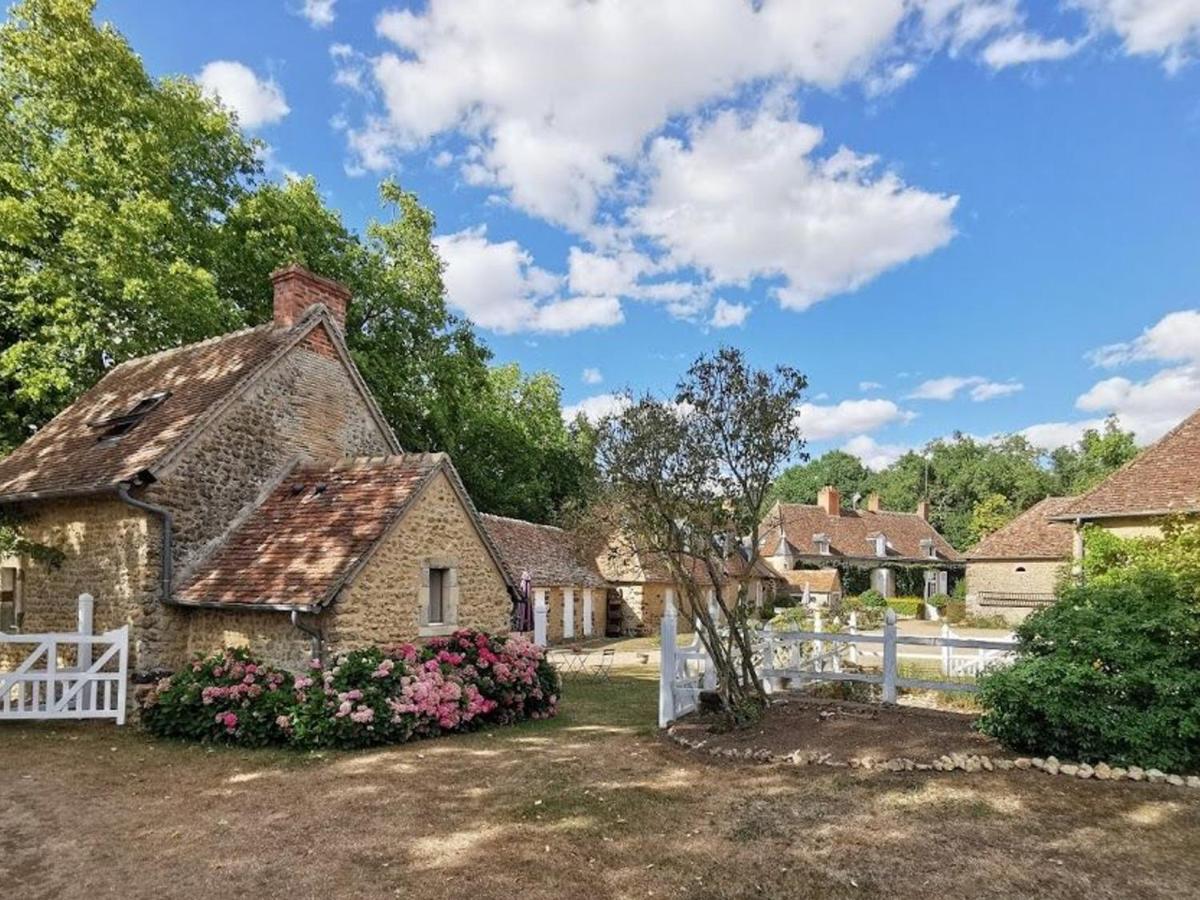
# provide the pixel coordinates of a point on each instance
(522, 521)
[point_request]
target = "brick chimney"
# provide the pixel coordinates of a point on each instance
(296, 289)
(923, 509)
(830, 500)
(873, 502)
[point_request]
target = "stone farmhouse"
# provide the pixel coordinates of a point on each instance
(824, 535)
(549, 563)
(247, 490)
(1014, 571)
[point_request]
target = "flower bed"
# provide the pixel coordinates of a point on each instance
(368, 696)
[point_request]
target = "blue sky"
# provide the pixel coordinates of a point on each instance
(975, 215)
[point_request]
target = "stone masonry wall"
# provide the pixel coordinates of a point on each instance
(111, 552)
(382, 604)
(556, 609)
(305, 405)
(1039, 577)
(268, 633)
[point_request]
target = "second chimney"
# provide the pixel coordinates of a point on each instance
(297, 289)
(873, 502)
(830, 500)
(923, 509)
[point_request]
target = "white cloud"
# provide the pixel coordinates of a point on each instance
(745, 198)
(497, 286)
(821, 423)
(874, 456)
(948, 387)
(990, 390)
(256, 101)
(1148, 408)
(1021, 47)
(1051, 435)
(726, 315)
(1169, 29)
(320, 13)
(869, 386)
(1176, 336)
(521, 78)
(592, 376)
(597, 407)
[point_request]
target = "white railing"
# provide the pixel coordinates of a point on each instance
(46, 686)
(800, 656)
(685, 672)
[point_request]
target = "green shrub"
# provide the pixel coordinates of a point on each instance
(367, 696)
(956, 612)
(1111, 673)
(872, 599)
(906, 606)
(994, 622)
(939, 601)
(864, 616)
(960, 589)
(227, 698)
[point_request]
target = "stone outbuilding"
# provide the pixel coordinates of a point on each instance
(553, 565)
(246, 489)
(1015, 570)
(823, 586)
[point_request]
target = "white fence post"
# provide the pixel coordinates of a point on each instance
(539, 618)
(854, 630)
(587, 612)
(946, 650)
(768, 658)
(889, 656)
(666, 674)
(83, 662)
(818, 646)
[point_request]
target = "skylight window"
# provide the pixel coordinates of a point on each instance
(114, 427)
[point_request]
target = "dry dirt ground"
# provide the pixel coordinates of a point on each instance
(590, 805)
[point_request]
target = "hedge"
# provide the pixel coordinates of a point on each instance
(368, 696)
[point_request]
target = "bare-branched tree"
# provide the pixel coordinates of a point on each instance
(689, 479)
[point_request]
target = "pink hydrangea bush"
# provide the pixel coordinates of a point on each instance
(229, 697)
(375, 696)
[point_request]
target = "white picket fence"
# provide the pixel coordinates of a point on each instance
(93, 686)
(798, 656)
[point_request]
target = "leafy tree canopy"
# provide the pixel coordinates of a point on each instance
(1081, 467)
(134, 216)
(800, 484)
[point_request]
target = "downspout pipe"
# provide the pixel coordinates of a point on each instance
(165, 521)
(313, 634)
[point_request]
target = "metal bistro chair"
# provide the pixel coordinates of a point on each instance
(602, 671)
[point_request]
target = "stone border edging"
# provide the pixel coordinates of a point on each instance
(946, 763)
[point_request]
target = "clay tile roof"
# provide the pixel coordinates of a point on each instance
(1163, 478)
(551, 556)
(308, 535)
(849, 532)
(819, 581)
(1031, 535)
(66, 455)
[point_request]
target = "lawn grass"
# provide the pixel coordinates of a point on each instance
(590, 804)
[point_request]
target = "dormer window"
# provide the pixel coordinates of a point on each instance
(879, 543)
(114, 427)
(821, 543)
(928, 548)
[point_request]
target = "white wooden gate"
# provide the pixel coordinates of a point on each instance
(68, 675)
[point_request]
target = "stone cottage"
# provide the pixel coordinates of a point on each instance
(247, 490)
(556, 569)
(879, 541)
(1014, 571)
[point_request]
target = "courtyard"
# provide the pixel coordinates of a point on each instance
(592, 803)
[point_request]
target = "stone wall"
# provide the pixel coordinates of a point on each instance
(382, 604)
(305, 405)
(1039, 576)
(111, 551)
(1134, 527)
(268, 633)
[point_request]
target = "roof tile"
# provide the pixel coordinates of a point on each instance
(1031, 535)
(550, 555)
(849, 532)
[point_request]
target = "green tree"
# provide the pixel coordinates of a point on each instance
(1098, 453)
(800, 483)
(110, 185)
(991, 514)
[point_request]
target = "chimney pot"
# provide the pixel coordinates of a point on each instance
(830, 500)
(297, 289)
(873, 502)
